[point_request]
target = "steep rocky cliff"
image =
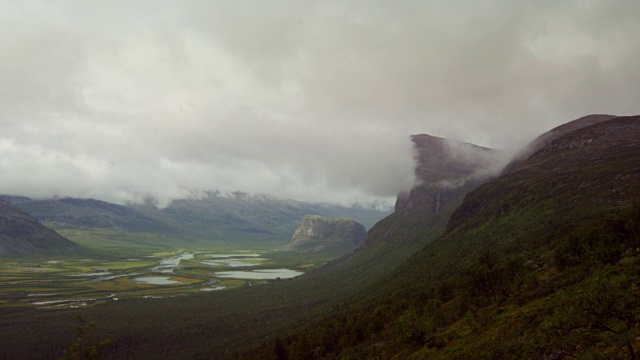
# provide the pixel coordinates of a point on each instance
(565, 219)
(443, 167)
(317, 233)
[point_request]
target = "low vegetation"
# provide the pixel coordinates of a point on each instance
(209, 324)
(542, 262)
(514, 304)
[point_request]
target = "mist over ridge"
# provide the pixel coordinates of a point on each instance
(128, 101)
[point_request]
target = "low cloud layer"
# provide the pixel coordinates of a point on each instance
(125, 100)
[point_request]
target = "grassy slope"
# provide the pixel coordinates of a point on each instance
(453, 299)
(541, 261)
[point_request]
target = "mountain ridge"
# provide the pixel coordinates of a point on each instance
(21, 234)
(519, 250)
(530, 263)
(237, 218)
(556, 132)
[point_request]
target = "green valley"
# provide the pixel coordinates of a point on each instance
(319, 180)
(73, 282)
(539, 261)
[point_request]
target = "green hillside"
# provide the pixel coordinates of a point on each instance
(541, 262)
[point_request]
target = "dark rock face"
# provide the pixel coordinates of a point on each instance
(317, 233)
(22, 234)
(428, 198)
(445, 166)
(443, 160)
(442, 168)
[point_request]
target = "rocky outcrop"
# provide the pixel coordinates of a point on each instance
(317, 233)
(443, 167)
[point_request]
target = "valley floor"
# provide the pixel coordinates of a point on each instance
(78, 282)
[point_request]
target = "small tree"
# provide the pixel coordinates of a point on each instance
(85, 346)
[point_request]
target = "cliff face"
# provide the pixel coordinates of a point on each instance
(443, 168)
(317, 233)
(428, 198)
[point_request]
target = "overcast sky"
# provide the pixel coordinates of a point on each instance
(312, 100)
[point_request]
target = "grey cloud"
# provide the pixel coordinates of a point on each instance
(315, 100)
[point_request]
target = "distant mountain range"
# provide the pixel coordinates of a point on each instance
(443, 167)
(246, 216)
(236, 218)
(88, 214)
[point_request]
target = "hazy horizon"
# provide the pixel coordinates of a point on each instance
(314, 101)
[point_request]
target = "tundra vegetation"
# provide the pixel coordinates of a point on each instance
(540, 262)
